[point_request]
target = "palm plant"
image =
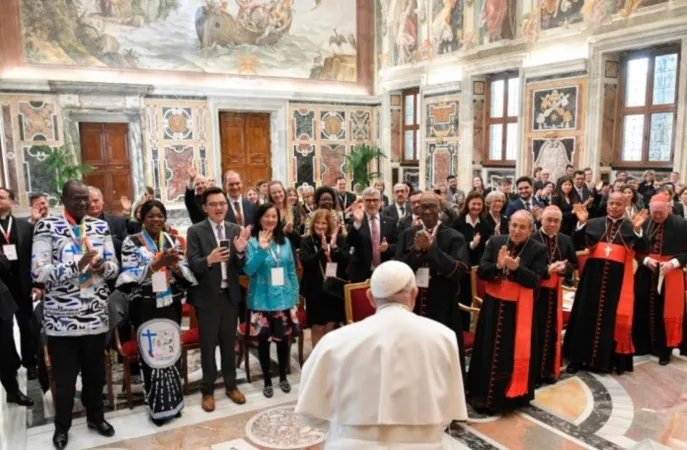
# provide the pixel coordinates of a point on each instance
(359, 160)
(61, 160)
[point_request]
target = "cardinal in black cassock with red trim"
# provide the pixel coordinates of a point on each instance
(599, 334)
(438, 255)
(561, 260)
(658, 324)
(503, 364)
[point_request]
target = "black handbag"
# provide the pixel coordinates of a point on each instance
(333, 286)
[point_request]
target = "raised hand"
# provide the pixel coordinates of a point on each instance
(476, 240)
(219, 255)
(599, 185)
(332, 242)
(288, 229)
(512, 263)
(87, 259)
(241, 240)
(264, 239)
(501, 258)
(192, 173)
(639, 219)
(126, 203)
(358, 214)
(323, 238)
(537, 212)
(35, 213)
(422, 240)
(169, 258)
(384, 246)
(581, 213)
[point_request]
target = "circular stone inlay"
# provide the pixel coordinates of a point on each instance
(332, 125)
(281, 428)
(177, 123)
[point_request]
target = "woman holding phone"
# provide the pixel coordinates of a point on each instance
(272, 292)
(155, 274)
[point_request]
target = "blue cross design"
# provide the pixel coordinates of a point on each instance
(73, 249)
(150, 335)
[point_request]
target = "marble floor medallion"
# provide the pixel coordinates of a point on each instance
(281, 428)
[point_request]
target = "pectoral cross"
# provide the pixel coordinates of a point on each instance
(150, 335)
(608, 250)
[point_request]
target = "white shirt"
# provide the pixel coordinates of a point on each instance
(401, 214)
(214, 226)
(368, 410)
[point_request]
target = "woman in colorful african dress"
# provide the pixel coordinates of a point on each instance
(156, 276)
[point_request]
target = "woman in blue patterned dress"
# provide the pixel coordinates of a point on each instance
(156, 275)
(272, 293)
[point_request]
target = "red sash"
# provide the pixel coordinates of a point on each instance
(623, 316)
(554, 282)
(524, 298)
(673, 305)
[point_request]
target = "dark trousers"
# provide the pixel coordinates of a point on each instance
(69, 356)
(9, 360)
(217, 326)
(29, 333)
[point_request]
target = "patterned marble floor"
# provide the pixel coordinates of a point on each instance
(643, 410)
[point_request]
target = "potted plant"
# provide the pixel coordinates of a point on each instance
(62, 161)
(359, 160)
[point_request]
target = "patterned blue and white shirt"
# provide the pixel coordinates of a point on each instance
(69, 310)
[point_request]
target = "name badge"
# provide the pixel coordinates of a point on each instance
(159, 282)
(278, 276)
(10, 252)
(331, 269)
(422, 277)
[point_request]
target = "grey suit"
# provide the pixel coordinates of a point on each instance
(216, 308)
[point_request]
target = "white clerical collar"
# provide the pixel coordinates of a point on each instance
(5, 217)
(547, 235)
(615, 220)
(392, 305)
(215, 224)
(468, 219)
(434, 230)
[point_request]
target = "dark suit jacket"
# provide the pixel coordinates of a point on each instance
(7, 305)
(405, 223)
(678, 209)
(392, 212)
(361, 242)
(118, 229)
(517, 205)
(249, 211)
(200, 243)
(484, 228)
(385, 201)
(194, 206)
(24, 241)
(349, 198)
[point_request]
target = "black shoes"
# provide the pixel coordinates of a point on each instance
(574, 367)
(31, 373)
(285, 386)
(19, 398)
(103, 428)
(268, 391)
(664, 361)
(60, 439)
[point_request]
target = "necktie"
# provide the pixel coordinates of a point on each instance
(403, 211)
(220, 236)
(239, 217)
(376, 257)
(528, 207)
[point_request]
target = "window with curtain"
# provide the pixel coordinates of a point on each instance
(410, 111)
(647, 108)
(501, 119)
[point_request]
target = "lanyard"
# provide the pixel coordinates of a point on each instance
(79, 233)
(328, 253)
(275, 257)
(6, 234)
(150, 244)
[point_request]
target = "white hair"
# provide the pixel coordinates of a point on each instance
(370, 191)
(95, 190)
(492, 195)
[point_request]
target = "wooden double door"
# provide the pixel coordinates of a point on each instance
(105, 147)
(246, 149)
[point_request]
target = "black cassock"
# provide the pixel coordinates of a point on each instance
(447, 260)
(590, 334)
(559, 248)
(492, 362)
(669, 240)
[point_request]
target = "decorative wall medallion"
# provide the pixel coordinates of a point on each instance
(478, 87)
(333, 125)
(304, 124)
(442, 120)
(395, 100)
(553, 154)
(177, 123)
(611, 69)
(360, 125)
(554, 109)
(292, 434)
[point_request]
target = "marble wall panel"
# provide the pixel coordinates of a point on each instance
(478, 131)
(360, 125)
(37, 121)
(304, 164)
(333, 125)
(333, 163)
(441, 161)
(303, 124)
(608, 124)
(442, 120)
(10, 153)
(38, 176)
(178, 159)
(395, 146)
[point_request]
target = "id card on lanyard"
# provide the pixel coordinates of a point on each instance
(332, 267)
(78, 232)
(277, 273)
(9, 249)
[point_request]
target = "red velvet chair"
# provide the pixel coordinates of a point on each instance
(478, 287)
(190, 340)
(358, 306)
(129, 353)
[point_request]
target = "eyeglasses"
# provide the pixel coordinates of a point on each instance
(217, 204)
(430, 207)
(371, 200)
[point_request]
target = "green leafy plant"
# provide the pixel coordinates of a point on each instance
(66, 168)
(359, 160)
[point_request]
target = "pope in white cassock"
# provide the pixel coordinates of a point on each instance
(391, 381)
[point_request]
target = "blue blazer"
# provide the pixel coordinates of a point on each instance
(517, 205)
(262, 296)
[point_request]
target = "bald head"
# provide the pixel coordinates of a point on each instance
(660, 208)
